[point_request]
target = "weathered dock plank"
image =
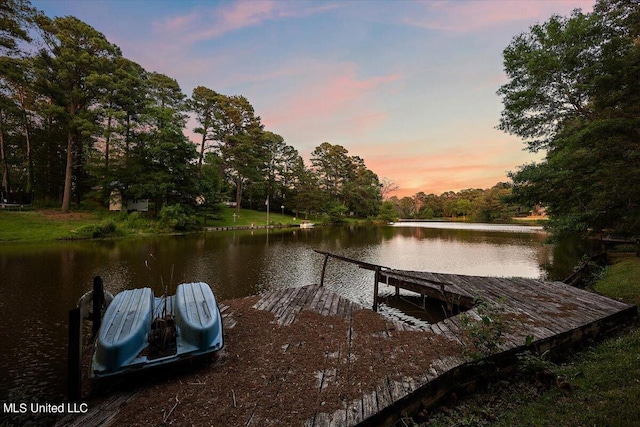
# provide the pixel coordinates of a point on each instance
(308, 356)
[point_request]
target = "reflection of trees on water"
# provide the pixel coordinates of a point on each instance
(566, 254)
(44, 281)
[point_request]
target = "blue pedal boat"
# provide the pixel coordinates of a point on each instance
(139, 330)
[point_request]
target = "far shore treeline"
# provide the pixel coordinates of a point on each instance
(80, 125)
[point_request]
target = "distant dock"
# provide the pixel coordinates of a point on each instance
(308, 356)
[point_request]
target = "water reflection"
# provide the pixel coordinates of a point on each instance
(39, 283)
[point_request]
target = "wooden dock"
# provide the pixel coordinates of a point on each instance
(308, 357)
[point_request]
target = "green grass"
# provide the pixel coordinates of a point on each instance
(602, 389)
(36, 226)
(246, 217)
(599, 386)
(621, 281)
(50, 225)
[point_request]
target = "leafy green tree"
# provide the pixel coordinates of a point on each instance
(210, 183)
(362, 190)
(16, 16)
(204, 103)
(492, 206)
(309, 197)
(122, 125)
(331, 163)
(387, 212)
(73, 66)
(345, 179)
(161, 163)
(464, 207)
(281, 164)
(431, 206)
(573, 91)
(405, 207)
(239, 138)
(335, 214)
(13, 116)
(244, 158)
(124, 103)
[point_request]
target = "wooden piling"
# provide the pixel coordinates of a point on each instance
(98, 301)
(324, 268)
(74, 356)
(375, 288)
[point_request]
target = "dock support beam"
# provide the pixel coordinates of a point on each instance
(324, 267)
(375, 288)
(74, 356)
(98, 302)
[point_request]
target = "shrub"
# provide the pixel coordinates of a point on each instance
(175, 217)
(484, 333)
(98, 231)
(387, 212)
(135, 220)
(335, 215)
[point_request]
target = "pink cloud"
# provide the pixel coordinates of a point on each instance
(329, 97)
(238, 15)
(208, 23)
(177, 24)
(466, 16)
(203, 24)
(336, 92)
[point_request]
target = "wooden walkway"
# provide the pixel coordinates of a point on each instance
(307, 356)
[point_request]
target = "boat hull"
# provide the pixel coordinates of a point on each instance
(122, 342)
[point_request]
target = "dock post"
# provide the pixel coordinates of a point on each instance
(74, 356)
(324, 267)
(375, 288)
(98, 301)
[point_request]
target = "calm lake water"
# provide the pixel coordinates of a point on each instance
(39, 283)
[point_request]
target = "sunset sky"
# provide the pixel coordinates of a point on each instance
(409, 86)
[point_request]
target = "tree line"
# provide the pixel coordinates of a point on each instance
(482, 205)
(79, 121)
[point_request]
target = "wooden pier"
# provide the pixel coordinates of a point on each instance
(307, 356)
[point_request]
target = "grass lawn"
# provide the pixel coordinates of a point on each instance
(247, 217)
(42, 225)
(49, 225)
(621, 281)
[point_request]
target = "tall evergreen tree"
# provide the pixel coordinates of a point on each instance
(205, 103)
(73, 67)
(239, 134)
(161, 166)
(16, 16)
